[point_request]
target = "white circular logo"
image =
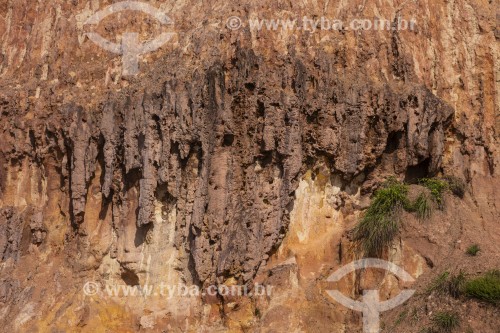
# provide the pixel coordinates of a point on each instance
(130, 49)
(233, 23)
(91, 288)
(371, 306)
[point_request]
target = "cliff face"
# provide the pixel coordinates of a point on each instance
(232, 154)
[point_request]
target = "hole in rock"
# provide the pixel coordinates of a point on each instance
(129, 277)
(393, 141)
(228, 140)
(414, 173)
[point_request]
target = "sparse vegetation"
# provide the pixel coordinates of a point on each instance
(380, 223)
(426, 330)
(456, 284)
(414, 316)
(485, 288)
(437, 188)
(456, 186)
(402, 316)
(473, 250)
(422, 207)
(448, 283)
(445, 321)
(439, 284)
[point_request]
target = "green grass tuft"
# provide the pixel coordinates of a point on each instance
(437, 188)
(439, 284)
(447, 283)
(473, 250)
(422, 207)
(485, 288)
(456, 284)
(380, 223)
(446, 321)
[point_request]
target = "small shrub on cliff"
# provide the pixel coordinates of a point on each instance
(380, 223)
(445, 321)
(437, 188)
(485, 288)
(473, 250)
(456, 186)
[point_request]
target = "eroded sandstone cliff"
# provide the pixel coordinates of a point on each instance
(232, 154)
